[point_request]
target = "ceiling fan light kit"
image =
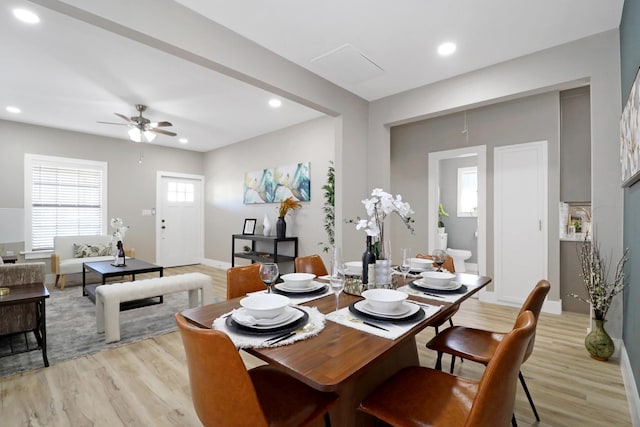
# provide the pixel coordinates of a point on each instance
(142, 129)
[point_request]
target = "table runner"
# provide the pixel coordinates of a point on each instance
(395, 330)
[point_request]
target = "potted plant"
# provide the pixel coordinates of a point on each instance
(246, 249)
(600, 293)
(441, 214)
(329, 208)
(286, 206)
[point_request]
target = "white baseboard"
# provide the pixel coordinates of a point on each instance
(630, 386)
(551, 307)
(216, 264)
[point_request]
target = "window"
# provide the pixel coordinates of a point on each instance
(63, 197)
(180, 192)
(468, 191)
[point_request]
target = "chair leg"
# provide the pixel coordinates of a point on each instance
(450, 322)
(453, 363)
(439, 361)
(327, 420)
(526, 391)
(514, 423)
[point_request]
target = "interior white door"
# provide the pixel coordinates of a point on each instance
(180, 220)
(520, 215)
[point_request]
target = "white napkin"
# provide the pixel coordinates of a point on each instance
(394, 330)
(437, 296)
(316, 321)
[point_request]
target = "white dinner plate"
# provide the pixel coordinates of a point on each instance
(289, 315)
(313, 286)
(451, 286)
(407, 310)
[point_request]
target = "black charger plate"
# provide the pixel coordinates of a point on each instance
(461, 290)
(301, 294)
(248, 330)
(418, 315)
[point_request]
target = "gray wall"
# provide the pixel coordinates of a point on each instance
(575, 144)
(312, 142)
(460, 230)
(131, 186)
(630, 61)
(535, 118)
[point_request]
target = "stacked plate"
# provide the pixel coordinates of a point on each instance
(386, 304)
(290, 319)
(438, 281)
(311, 289)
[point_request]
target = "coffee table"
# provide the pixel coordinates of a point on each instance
(105, 269)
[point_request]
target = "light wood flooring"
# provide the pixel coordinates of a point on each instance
(146, 383)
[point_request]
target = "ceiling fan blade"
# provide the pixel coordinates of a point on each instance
(160, 124)
(125, 118)
(163, 132)
(112, 123)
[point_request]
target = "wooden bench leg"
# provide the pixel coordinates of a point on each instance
(64, 280)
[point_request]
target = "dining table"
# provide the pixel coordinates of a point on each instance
(345, 360)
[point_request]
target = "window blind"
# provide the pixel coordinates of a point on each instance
(66, 200)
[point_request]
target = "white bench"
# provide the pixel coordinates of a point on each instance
(109, 297)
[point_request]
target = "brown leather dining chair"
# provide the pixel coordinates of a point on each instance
(420, 396)
(225, 394)
(311, 264)
(244, 279)
(453, 309)
(480, 345)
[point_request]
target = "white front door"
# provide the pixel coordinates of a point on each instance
(520, 215)
(179, 220)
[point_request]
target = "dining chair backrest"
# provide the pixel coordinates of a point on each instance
(534, 303)
(244, 279)
(448, 263)
(311, 264)
(495, 398)
(221, 388)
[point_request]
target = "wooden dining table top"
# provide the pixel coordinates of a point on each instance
(337, 353)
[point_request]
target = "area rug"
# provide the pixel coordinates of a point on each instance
(71, 328)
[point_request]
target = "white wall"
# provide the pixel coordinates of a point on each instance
(312, 142)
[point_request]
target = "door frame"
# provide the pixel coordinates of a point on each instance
(165, 174)
(433, 188)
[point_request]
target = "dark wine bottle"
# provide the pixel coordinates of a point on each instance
(121, 260)
(367, 258)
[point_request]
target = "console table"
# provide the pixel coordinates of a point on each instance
(272, 256)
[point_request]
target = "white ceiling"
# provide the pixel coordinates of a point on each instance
(67, 74)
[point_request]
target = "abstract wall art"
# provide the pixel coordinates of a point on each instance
(276, 184)
(630, 137)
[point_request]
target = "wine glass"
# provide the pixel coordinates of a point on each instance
(439, 257)
(337, 275)
(269, 274)
(405, 265)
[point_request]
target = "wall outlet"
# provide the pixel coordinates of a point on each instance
(146, 212)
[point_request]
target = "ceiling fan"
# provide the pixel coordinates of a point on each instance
(141, 127)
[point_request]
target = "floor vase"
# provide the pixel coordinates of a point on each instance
(598, 343)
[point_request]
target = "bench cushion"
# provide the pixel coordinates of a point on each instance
(109, 297)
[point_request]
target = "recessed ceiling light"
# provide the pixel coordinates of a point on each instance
(183, 140)
(446, 48)
(14, 110)
(26, 16)
(275, 102)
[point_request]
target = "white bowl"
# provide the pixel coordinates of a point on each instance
(421, 263)
(298, 280)
(264, 306)
(353, 267)
(384, 300)
(437, 278)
